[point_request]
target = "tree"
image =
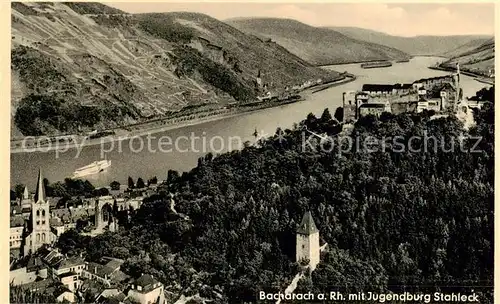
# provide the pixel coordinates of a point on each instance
(140, 183)
(339, 114)
(131, 184)
(114, 185)
(19, 189)
(101, 192)
(326, 116)
(172, 176)
(153, 181)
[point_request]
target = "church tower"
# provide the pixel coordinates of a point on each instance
(307, 247)
(40, 220)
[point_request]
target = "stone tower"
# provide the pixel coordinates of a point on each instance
(307, 248)
(40, 220)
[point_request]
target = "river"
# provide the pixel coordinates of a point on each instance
(226, 133)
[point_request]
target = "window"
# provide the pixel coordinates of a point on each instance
(43, 212)
(38, 237)
(37, 223)
(43, 237)
(43, 222)
(303, 246)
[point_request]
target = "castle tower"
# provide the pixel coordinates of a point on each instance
(307, 247)
(40, 220)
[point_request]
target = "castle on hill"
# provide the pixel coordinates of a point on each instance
(307, 246)
(440, 94)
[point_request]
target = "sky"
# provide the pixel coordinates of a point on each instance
(401, 19)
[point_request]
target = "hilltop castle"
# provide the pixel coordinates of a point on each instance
(307, 247)
(440, 94)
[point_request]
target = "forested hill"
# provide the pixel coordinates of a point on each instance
(316, 45)
(84, 66)
(394, 220)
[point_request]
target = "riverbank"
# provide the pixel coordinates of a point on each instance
(462, 71)
(361, 61)
(161, 124)
(319, 88)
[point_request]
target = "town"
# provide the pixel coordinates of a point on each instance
(36, 264)
(37, 221)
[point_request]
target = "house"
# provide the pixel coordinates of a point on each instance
(404, 88)
(108, 274)
(422, 105)
(63, 294)
(146, 290)
(67, 265)
(16, 232)
(71, 280)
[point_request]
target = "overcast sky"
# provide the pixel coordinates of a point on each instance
(407, 19)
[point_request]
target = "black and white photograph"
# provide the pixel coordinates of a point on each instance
(245, 152)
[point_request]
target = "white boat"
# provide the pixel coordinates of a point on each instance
(93, 168)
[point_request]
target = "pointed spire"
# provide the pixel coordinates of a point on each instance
(26, 194)
(40, 189)
(307, 225)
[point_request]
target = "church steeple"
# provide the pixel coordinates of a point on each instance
(40, 188)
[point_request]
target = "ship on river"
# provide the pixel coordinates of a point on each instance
(377, 64)
(93, 168)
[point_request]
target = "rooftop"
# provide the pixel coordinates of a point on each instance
(99, 270)
(373, 105)
(113, 263)
(70, 262)
(307, 225)
(377, 87)
(145, 280)
(68, 274)
(40, 188)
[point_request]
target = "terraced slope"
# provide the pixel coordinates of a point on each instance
(83, 66)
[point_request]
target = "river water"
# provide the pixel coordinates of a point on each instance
(158, 156)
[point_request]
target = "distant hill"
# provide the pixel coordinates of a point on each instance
(84, 66)
(316, 45)
(478, 59)
(418, 45)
